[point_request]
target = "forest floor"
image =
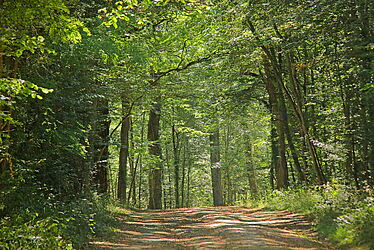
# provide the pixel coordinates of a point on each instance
(211, 227)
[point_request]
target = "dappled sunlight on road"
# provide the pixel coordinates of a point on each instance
(211, 227)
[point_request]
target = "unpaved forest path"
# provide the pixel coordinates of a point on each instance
(211, 227)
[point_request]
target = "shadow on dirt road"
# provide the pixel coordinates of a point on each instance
(211, 227)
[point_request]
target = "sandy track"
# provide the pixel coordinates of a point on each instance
(211, 227)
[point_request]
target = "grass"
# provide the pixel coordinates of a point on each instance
(342, 215)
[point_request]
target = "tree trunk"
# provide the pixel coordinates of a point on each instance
(184, 172)
(190, 162)
(101, 151)
(251, 172)
(131, 197)
(295, 101)
(227, 174)
(284, 117)
(133, 164)
(168, 193)
(350, 163)
(274, 152)
(124, 153)
(176, 153)
(216, 169)
(155, 169)
(275, 100)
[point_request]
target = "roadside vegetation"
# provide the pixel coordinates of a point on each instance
(52, 223)
(341, 214)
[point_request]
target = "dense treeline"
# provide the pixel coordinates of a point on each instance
(168, 104)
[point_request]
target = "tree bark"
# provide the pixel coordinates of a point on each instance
(295, 157)
(155, 169)
(124, 153)
(274, 153)
(101, 150)
(176, 153)
(184, 172)
(295, 101)
(189, 168)
(251, 172)
(227, 174)
(216, 169)
(275, 100)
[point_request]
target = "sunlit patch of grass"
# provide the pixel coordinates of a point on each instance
(341, 214)
(119, 210)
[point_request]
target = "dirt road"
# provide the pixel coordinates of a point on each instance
(211, 227)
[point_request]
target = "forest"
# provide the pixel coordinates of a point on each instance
(166, 104)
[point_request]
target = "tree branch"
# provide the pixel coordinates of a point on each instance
(161, 74)
(124, 117)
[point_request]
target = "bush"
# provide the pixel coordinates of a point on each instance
(35, 218)
(342, 215)
(18, 233)
(356, 226)
(65, 226)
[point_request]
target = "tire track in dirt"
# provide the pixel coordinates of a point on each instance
(212, 227)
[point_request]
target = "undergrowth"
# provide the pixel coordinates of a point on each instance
(342, 215)
(38, 219)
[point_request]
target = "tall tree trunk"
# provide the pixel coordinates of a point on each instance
(189, 181)
(155, 169)
(272, 61)
(124, 152)
(296, 103)
(285, 121)
(131, 197)
(133, 164)
(101, 147)
(140, 183)
(274, 152)
(228, 183)
(176, 153)
(350, 163)
(168, 177)
(251, 172)
(184, 172)
(275, 100)
(216, 168)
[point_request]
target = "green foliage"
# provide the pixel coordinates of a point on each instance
(34, 218)
(31, 26)
(21, 232)
(355, 226)
(12, 90)
(342, 215)
(302, 200)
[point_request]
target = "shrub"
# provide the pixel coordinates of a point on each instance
(356, 225)
(341, 214)
(37, 233)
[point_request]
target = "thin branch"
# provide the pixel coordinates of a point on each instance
(277, 31)
(118, 125)
(161, 74)
(124, 117)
